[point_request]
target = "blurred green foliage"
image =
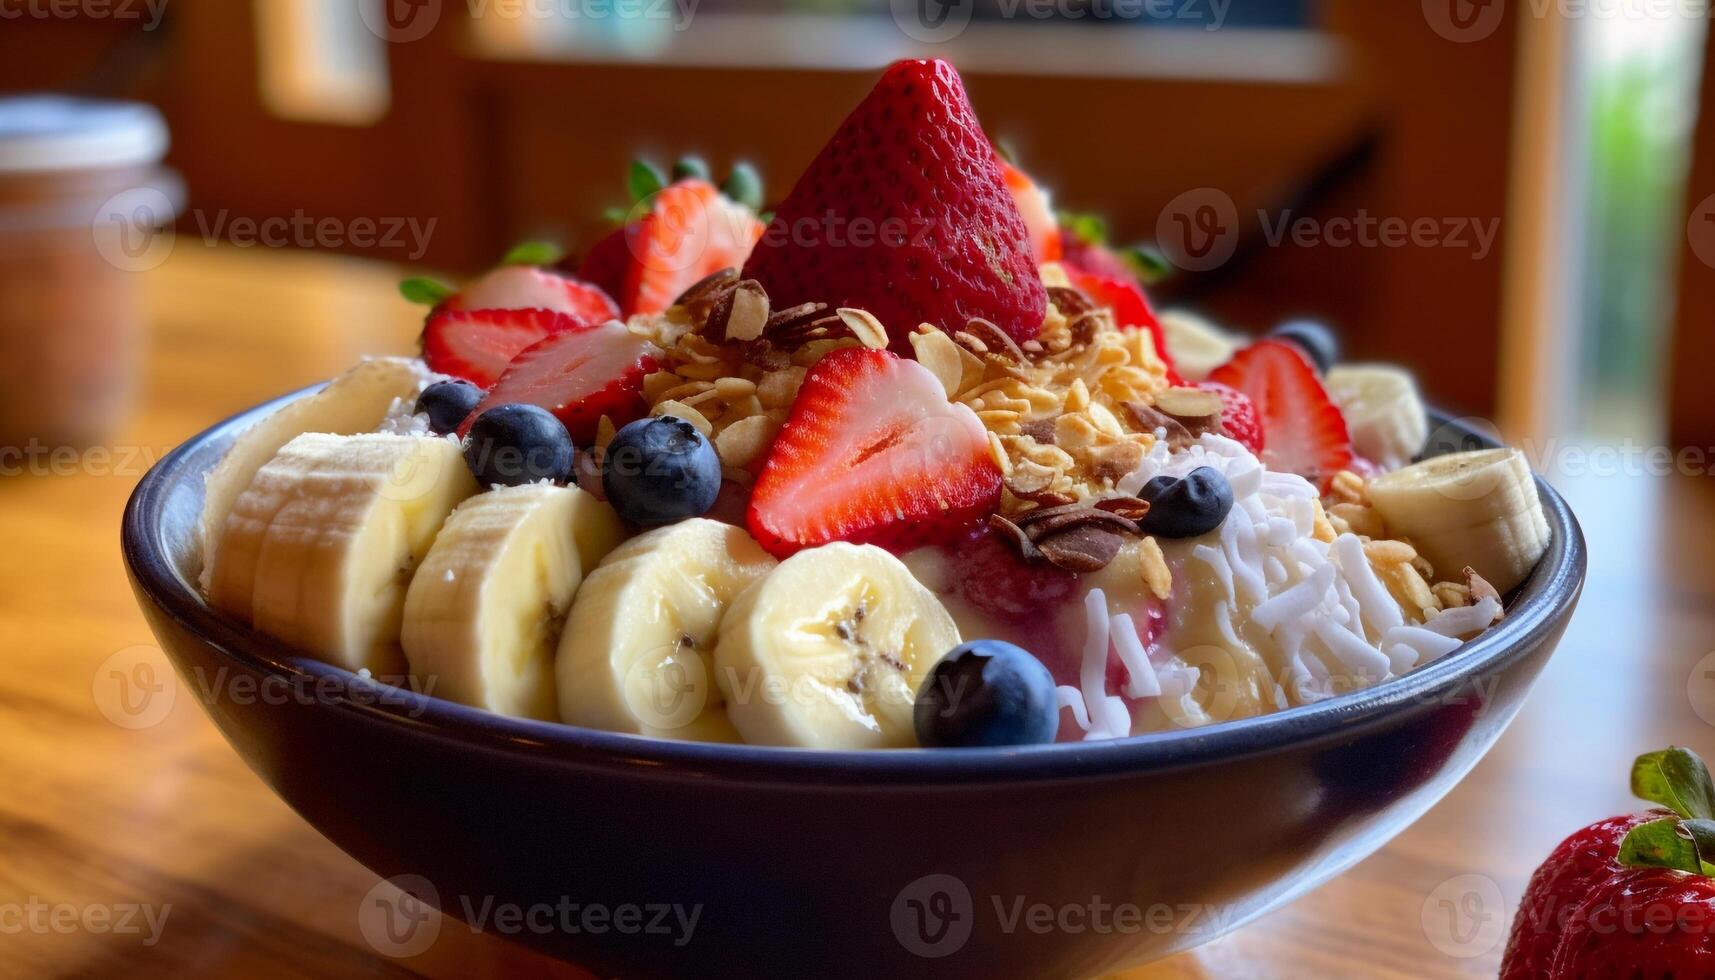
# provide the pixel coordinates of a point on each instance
(1642, 99)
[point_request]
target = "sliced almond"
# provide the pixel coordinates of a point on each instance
(1115, 461)
(1026, 478)
(1194, 408)
(746, 314)
(657, 384)
(777, 389)
(1085, 548)
(1156, 573)
(864, 326)
(686, 412)
(1077, 395)
(743, 408)
(732, 389)
(937, 352)
(743, 442)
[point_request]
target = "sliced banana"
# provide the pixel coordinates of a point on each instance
(1477, 508)
(596, 529)
(318, 550)
(1383, 410)
(485, 610)
(635, 655)
(356, 401)
(1197, 346)
(830, 650)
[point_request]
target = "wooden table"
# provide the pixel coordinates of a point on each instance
(100, 820)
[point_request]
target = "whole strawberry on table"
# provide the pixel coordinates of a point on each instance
(1631, 896)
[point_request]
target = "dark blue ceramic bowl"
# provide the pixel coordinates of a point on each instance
(1057, 861)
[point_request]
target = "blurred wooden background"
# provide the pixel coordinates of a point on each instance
(496, 139)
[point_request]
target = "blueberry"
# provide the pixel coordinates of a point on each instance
(1313, 339)
(660, 470)
(1187, 508)
(513, 445)
(448, 403)
(987, 693)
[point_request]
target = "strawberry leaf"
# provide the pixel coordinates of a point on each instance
(534, 253)
(643, 180)
(690, 165)
(616, 215)
(1147, 264)
(1090, 228)
(1702, 834)
(744, 185)
(1677, 779)
(425, 291)
(1657, 844)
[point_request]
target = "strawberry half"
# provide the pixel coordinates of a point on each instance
(1304, 431)
(1131, 308)
(579, 375)
(1037, 211)
(904, 213)
(523, 287)
(689, 231)
(477, 345)
(873, 453)
(1239, 421)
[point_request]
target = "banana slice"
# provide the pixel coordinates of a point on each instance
(484, 612)
(1478, 508)
(1383, 410)
(354, 402)
(830, 650)
(635, 655)
(596, 529)
(1197, 346)
(320, 547)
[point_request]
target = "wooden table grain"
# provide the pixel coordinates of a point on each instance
(152, 851)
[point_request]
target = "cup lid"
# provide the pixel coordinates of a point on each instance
(57, 132)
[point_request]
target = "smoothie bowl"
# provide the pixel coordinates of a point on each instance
(851, 592)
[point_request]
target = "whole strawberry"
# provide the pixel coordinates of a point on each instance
(1629, 896)
(905, 213)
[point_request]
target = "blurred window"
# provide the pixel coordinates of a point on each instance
(319, 62)
(1083, 36)
(1643, 76)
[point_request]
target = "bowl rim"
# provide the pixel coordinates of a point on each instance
(1540, 606)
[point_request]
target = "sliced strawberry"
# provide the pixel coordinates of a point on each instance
(523, 287)
(1036, 210)
(689, 230)
(476, 345)
(872, 453)
(1131, 308)
(579, 375)
(904, 213)
(1304, 430)
(1239, 420)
